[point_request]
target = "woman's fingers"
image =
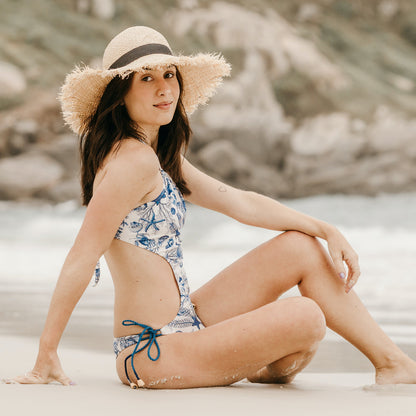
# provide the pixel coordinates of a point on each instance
(353, 271)
(66, 381)
(342, 253)
(339, 265)
(351, 259)
(338, 260)
(34, 378)
(28, 378)
(47, 369)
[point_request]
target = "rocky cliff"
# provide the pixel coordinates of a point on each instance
(321, 98)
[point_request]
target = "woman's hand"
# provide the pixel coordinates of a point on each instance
(341, 251)
(47, 370)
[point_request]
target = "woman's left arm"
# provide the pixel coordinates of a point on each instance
(258, 210)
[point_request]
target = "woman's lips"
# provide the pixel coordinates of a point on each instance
(164, 106)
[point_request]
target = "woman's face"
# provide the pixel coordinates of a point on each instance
(152, 98)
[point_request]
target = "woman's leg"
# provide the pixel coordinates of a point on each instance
(230, 350)
(290, 259)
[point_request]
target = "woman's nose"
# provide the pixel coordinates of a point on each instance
(163, 87)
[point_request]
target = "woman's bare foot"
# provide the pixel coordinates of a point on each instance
(399, 372)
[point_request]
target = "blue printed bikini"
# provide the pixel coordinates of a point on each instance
(155, 226)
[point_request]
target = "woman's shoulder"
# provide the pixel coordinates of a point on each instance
(134, 155)
(131, 163)
(134, 151)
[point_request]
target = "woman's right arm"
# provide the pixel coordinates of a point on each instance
(128, 179)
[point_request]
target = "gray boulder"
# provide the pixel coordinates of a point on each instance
(246, 113)
(267, 181)
(69, 189)
(12, 80)
(391, 132)
(64, 149)
(24, 175)
(22, 134)
(103, 9)
(223, 158)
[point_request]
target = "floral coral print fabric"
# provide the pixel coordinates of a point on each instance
(155, 226)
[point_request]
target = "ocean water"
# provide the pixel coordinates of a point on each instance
(34, 240)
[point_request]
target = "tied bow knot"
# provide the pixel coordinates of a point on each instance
(148, 334)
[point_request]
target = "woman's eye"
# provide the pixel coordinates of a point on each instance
(147, 78)
(169, 75)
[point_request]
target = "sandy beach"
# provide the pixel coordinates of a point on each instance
(99, 392)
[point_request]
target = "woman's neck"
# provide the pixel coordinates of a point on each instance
(151, 134)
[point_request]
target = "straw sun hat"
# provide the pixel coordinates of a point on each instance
(132, 50)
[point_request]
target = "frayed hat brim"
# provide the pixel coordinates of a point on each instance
(84, 86)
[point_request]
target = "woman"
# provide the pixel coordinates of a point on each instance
(131, 118)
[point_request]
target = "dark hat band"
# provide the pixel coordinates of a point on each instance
(140, 51)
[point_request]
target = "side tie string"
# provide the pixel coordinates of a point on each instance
(148, 334)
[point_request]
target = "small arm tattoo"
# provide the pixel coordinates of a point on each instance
(222, 188)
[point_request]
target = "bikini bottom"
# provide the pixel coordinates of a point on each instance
(147, 338)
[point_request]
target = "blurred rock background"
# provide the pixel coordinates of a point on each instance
(321, 98)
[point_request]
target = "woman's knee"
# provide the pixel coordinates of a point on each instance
(307, 319)
(315, 319)
(307, 250)
(300, 241)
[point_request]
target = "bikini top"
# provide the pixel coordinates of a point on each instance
(156, 225)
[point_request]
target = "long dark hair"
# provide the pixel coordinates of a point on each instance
(111, 123)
